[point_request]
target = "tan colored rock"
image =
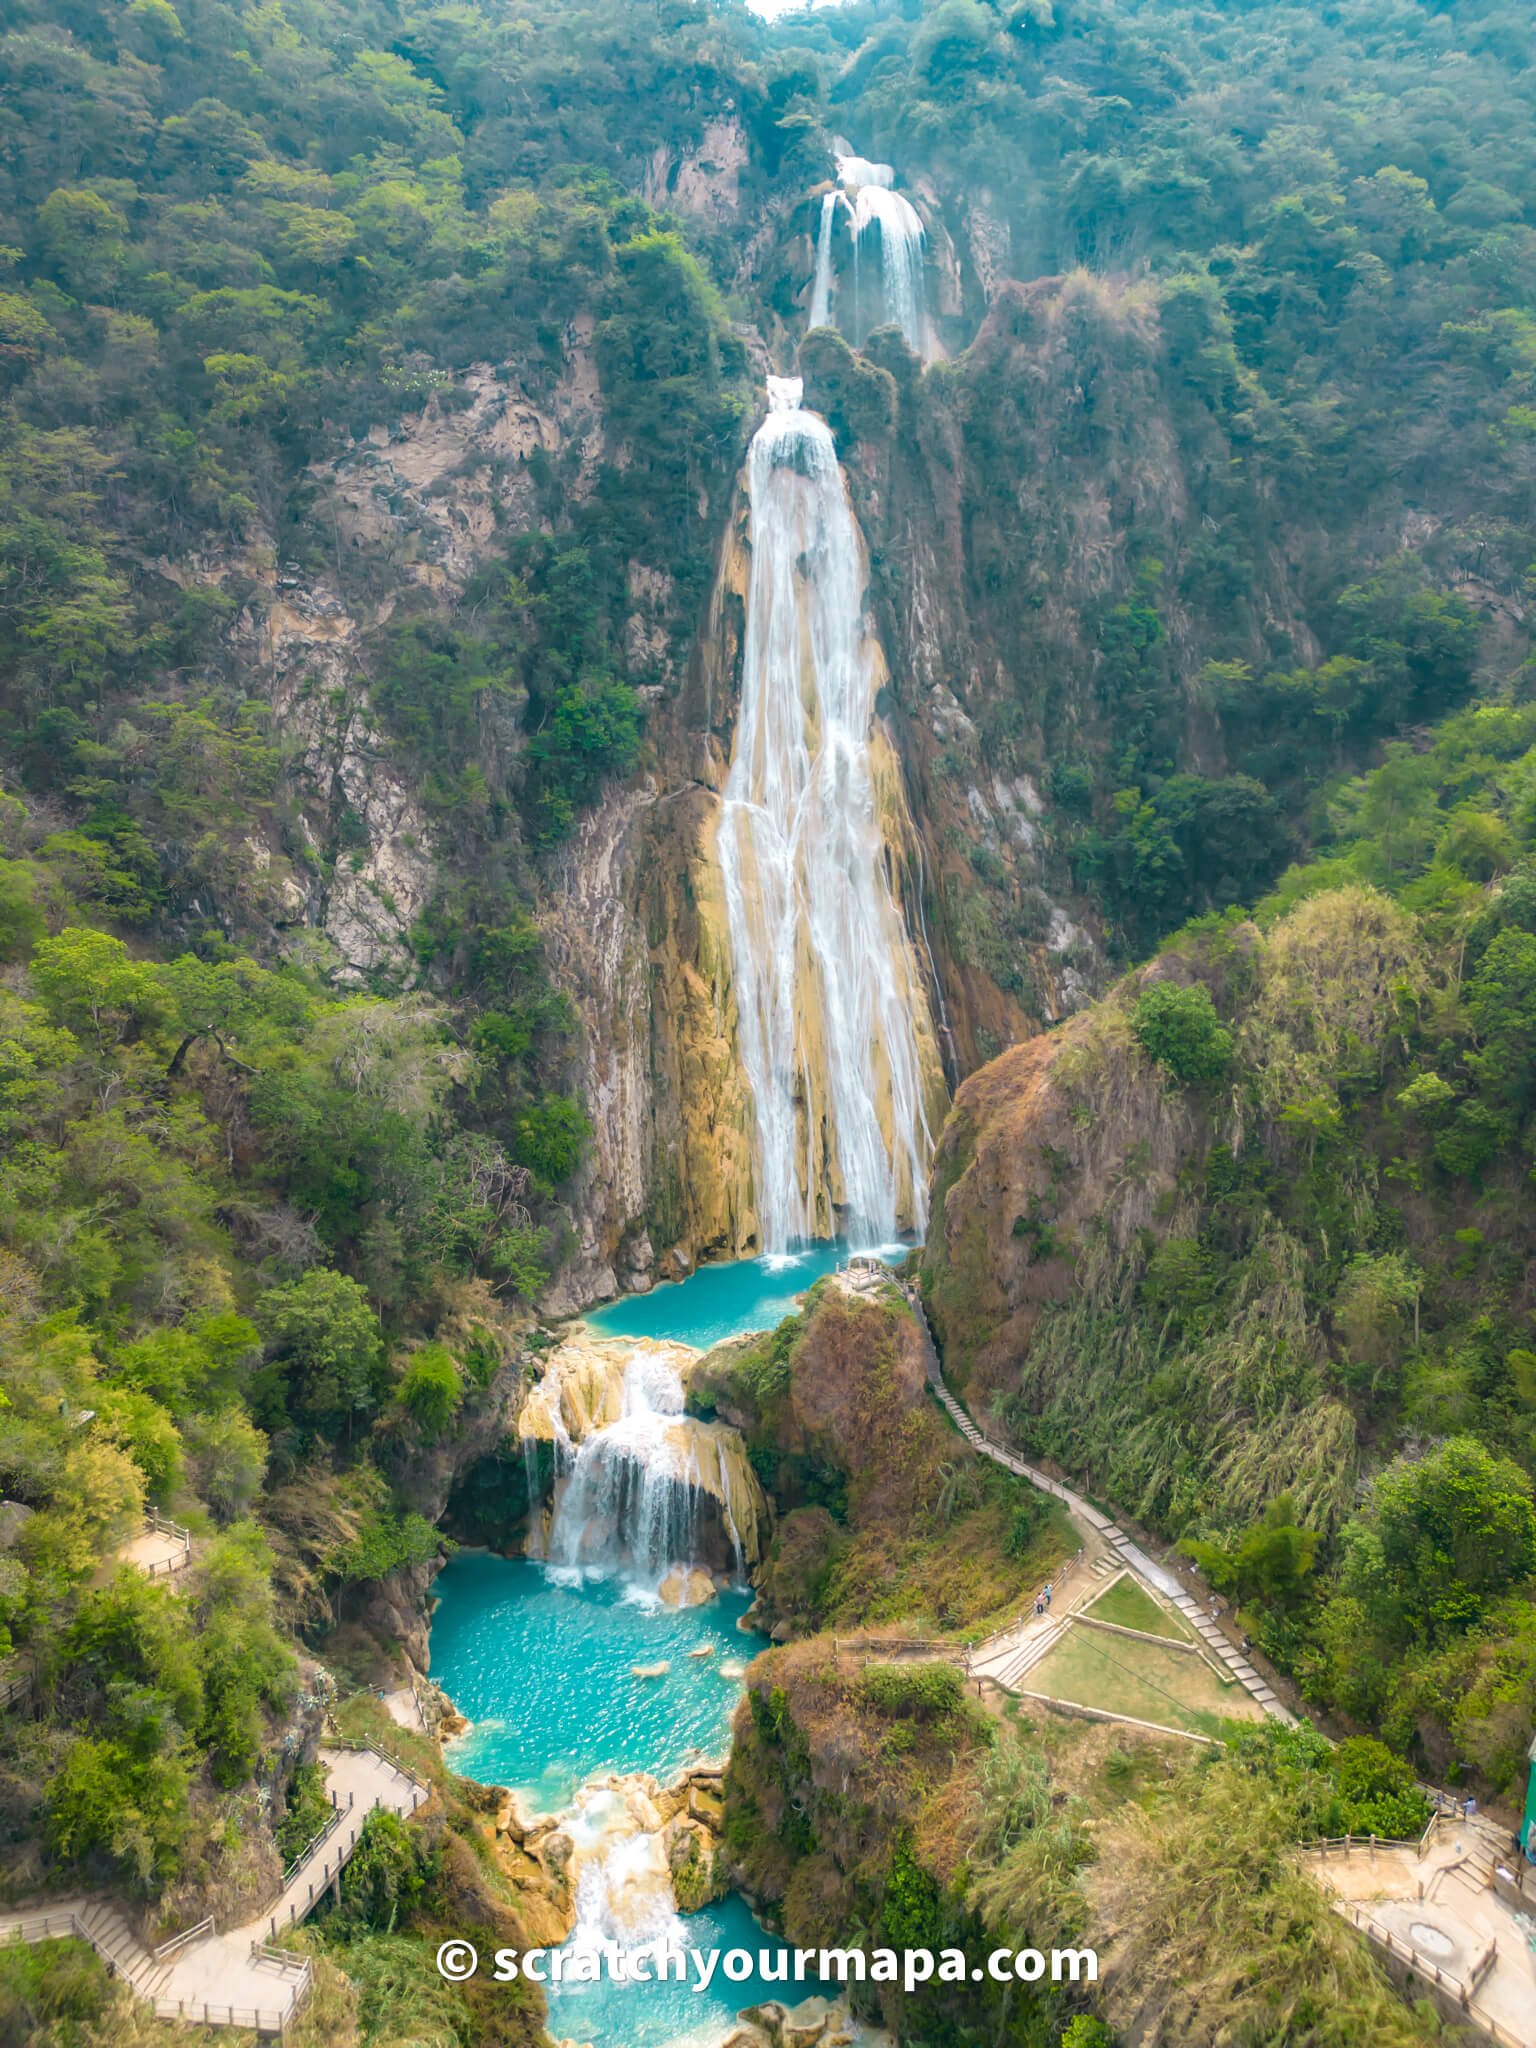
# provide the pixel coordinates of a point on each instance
(582, 1392)
(656, 1670)
(805, 2024)
(686, 1588)
(707, 1806)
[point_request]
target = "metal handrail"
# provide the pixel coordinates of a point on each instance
(180, 1941)
(309, 1848)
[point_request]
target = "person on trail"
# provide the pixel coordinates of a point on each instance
(1047, 1596)
(1039, 1603)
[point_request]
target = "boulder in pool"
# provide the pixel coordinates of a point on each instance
(651, 1670)
(685, 1587)
(806, 2023)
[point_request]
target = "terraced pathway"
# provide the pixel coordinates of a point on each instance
(236, 1979)
(1006, 1657)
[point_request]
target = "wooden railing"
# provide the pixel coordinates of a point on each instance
(1417, 1844)
(162, 1525)
(1012, 1628)
(338, 1814)
(396, 1764)
(15, 1682)
(66, 1923)
(255, 2019)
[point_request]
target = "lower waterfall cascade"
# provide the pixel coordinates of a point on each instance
(639, 1490)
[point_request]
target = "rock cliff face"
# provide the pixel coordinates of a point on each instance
(632, 912)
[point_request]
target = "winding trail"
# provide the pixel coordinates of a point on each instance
(236, 1979)
(1005, 1657)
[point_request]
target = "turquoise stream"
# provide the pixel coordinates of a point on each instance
(666, 2015)
(543, 1668)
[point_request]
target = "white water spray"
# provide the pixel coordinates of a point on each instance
(877, 212)
(636, 1495)
(825, 985)
(821, 285)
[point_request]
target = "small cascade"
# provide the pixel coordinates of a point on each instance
(624, 1891)
(827, 992)
(901, 258)
(821, 285)
(643, 1493)
(877, 214)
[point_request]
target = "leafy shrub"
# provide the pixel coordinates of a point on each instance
(922, 1692)
(431, 1389)
(1179, 1028)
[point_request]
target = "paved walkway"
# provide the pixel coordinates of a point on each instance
(234, 1978)
(1016, 1649)
(1433, 1906)
(358, 1780)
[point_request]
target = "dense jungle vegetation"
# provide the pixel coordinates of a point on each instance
(1237, 476)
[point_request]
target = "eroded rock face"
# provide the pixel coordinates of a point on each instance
(704, 181)
(434, 490)
(1065, 1131)
(371, 844)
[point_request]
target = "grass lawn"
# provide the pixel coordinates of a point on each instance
(1143, 1680)
(1133, 1607)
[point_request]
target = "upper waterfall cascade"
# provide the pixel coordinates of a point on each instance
(876, 211)
(828, 995)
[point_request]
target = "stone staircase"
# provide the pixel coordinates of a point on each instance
(1009, 1670)
(1475, 1846)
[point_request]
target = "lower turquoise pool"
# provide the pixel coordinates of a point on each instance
(545, 1672)
(660, 2015)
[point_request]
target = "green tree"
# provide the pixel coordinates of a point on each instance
(431, 1389)
(1179, 1028)
(325, 1337)
(1440, 1538)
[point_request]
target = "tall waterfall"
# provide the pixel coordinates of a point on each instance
(826, 990)
(637, 1493)
(876, 212)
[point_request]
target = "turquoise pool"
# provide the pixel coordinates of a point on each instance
(726, 1300)
(544, 1670)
